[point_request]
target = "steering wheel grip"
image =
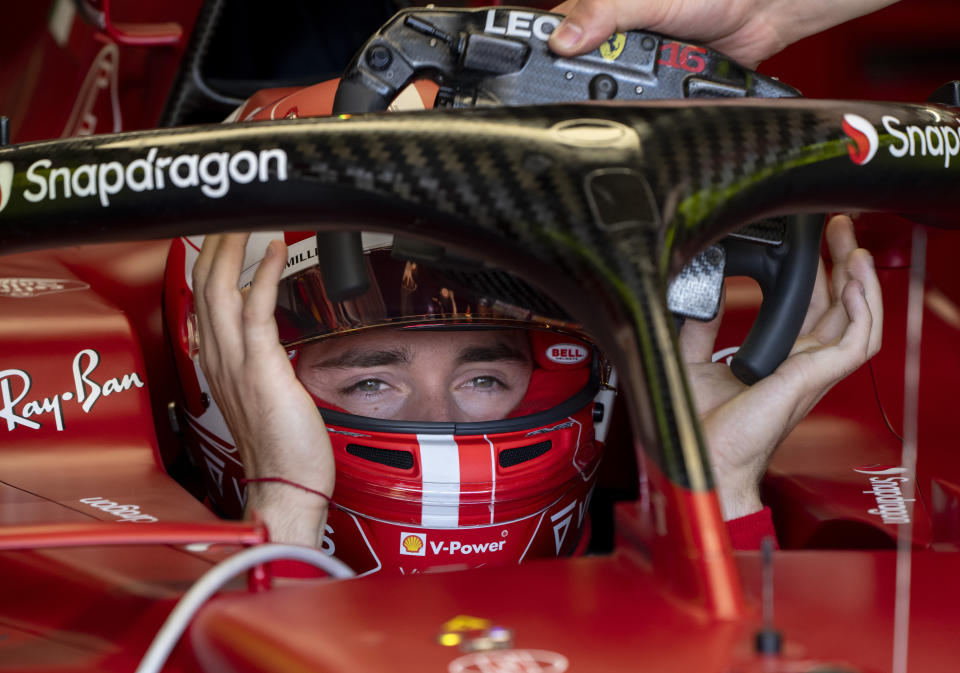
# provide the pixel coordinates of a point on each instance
(354, 96)
(786, 275)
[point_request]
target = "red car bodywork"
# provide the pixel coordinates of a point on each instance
(78, 597)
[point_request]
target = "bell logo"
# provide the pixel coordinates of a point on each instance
(6, 183)
(862, 139)
(567, 354)
(413, 544)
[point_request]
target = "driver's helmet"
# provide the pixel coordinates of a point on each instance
(414, 496)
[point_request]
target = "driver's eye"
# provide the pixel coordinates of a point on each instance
(484, 383)
(366, 386)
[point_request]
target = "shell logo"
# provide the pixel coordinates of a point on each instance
(413, 544)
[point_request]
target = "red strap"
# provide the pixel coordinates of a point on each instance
(281, 480)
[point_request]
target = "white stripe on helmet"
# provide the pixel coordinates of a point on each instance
(440, 465)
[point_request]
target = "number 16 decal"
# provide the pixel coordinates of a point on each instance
(683, 56)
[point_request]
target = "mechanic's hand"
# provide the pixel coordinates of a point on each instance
(746, 30)
(274, 421)
(743, 425)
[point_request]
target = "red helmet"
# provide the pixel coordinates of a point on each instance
(417, 495)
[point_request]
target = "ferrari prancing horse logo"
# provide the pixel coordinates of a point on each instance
(613, 47)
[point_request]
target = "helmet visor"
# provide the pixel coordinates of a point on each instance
(405, 289)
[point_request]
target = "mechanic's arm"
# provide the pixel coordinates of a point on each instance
(743, 425)
(275, 423)
(746, 30)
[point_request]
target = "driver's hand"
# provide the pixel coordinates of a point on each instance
(748, 31)
(743, 425)
(274, 421)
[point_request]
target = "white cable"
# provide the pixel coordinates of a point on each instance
(908, 456)
(214, 579)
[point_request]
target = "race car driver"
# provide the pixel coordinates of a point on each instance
(270, 406)
(272, 412)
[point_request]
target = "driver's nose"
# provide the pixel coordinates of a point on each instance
(433, 405)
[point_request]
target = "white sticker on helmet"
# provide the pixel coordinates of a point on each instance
(413, 544)
(440, 466)
(567, 354)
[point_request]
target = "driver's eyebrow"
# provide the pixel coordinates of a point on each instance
(363, 358)
(500, 351)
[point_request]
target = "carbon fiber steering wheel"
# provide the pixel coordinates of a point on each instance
(499, 56)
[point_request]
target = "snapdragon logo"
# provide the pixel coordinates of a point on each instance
(863, 141)
(935, 140)
(891, 506)
(929, 140)
(880, 469)
(6, 183)
(213, 173)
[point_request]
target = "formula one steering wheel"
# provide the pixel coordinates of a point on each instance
(499, 56)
